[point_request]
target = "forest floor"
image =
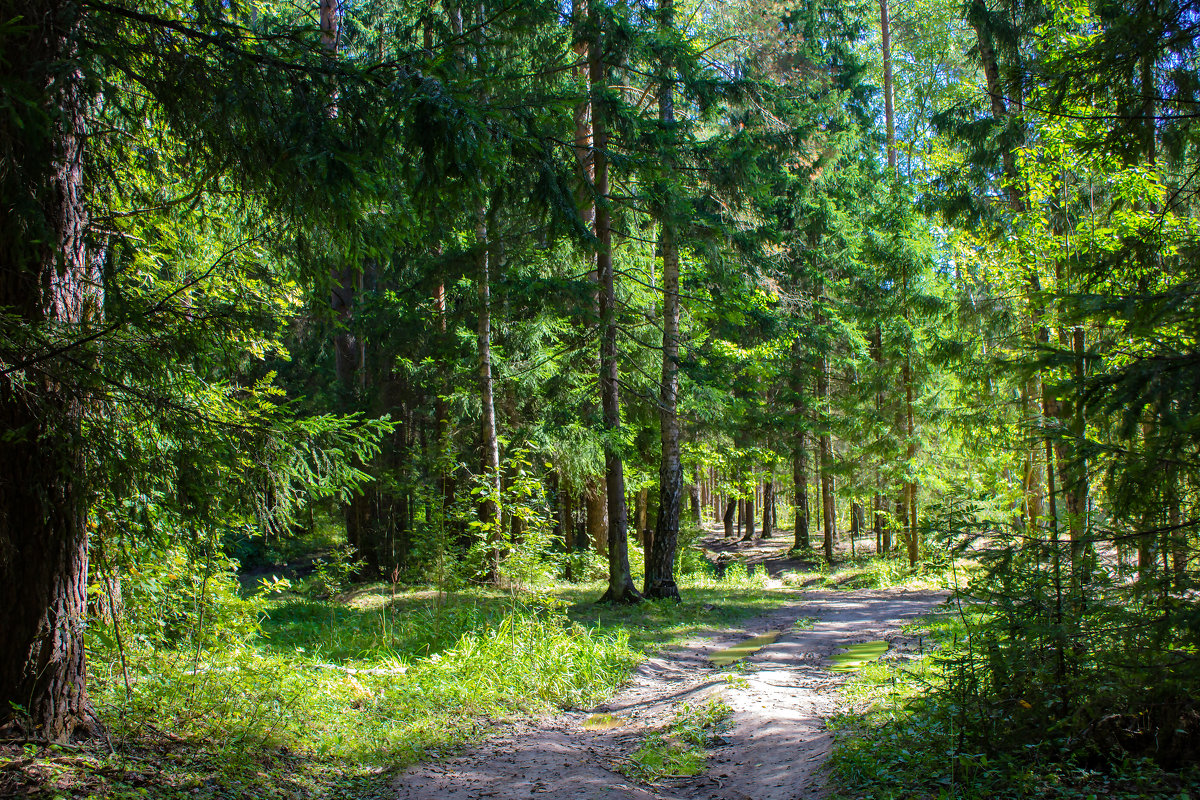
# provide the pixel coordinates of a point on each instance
(774, 743)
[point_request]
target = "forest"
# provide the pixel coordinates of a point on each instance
(608, 398)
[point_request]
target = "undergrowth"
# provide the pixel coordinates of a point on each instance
(905, 731)
(681, 749)
(326, 694)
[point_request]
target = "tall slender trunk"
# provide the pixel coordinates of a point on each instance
(49, 282)
(800, 499)
(828, 519)
(749, 535)
(697, 503)
(888, 105)
(349, 350)
(768, 509)
(912, 533)
(489, 443)
(660, 567)
(620, 582)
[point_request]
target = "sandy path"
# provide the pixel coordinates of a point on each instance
(781, 697)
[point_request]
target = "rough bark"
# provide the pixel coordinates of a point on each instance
(800, 497)
(730, 509)
(620, 582)
(49, 283)
(768, 509)
(660, 566)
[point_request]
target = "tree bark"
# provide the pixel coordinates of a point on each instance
(620, 582)
(489, 443)
(768, 509)
(697, 504)
(660, 567)
(749, 535)
(888, 105)
(800, 500)
(730, 509)
(48, 282)
(829, 522)
(594, 500)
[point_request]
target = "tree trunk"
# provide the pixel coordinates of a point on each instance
(597, 514)
(660, 566)
(620, 582)
(768, 509)
(489, 443)
(697, 503)
(728, 518)
(49, 283)
(800, 500)
(877, 523)
(640, 502)
(888, 105)
(828, 520)
(749, 535)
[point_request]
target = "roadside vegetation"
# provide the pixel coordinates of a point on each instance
(259, 685)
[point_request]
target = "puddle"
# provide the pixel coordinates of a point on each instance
(603, 722)
(856, 655)
(723, 658)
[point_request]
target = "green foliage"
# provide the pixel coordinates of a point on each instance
(910, 729)
(679, 751)
(393, 680)
(333, 572)
(170, 599)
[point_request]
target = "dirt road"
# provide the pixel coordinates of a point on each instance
(781, 696)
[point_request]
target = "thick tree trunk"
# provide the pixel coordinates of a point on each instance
(48, 282)
(730, 509)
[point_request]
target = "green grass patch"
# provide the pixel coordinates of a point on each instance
(331, 694)
(681, 750)
(857, 655)
(710, 606)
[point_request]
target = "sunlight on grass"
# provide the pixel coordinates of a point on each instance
(335, 690)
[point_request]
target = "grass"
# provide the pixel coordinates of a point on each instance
(898, 739)
(680, 750)
(873, 572)
(709, 605)
(332, 694)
